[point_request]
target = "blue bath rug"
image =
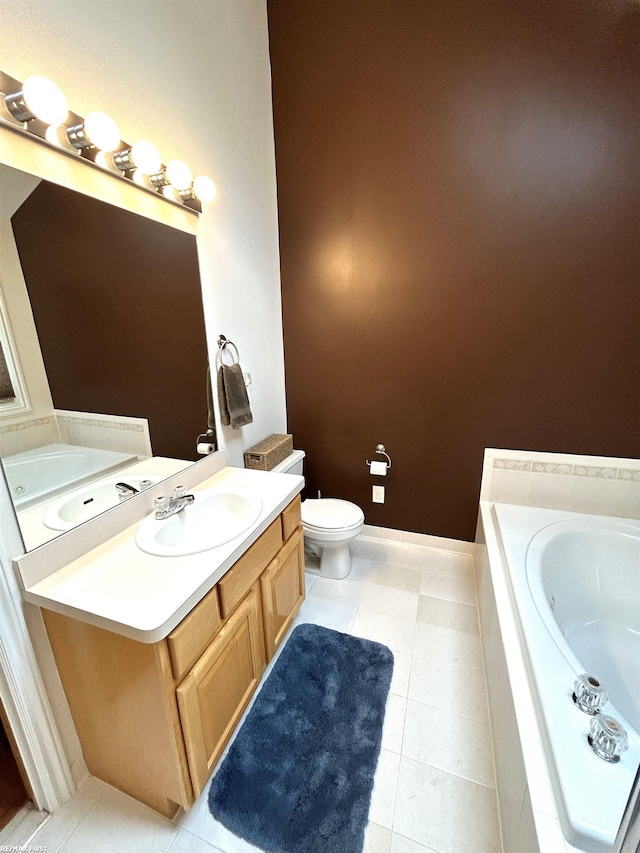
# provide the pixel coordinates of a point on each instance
(299, 775)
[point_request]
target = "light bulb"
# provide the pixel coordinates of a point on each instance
(204, 188)
(98, 130)
(104, 159)
(170, 192)
(145, 156)
(142, 155)
(101, 131)
(39, 98)
(179, 174)
(141, 178)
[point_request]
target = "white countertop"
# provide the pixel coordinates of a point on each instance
(125, 590)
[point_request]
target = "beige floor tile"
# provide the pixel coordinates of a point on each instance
(186, 842)
(448, 614)
(449, 688)
(331, 614)
(393, 632)
(360, 568)
(393, 729)
(442, 562)
(401, 673)
(462, 590)
(400, 554)
(377, 839)
(449, 742)
(400, 844)
(61, 824)
(446, 645)
(385, 785)
(116, 822)
(396, 577)
(444, 812)
(391, 602)
(345, 591)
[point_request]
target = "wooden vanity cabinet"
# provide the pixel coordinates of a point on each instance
(216, 692)
(123, 701)
(283, 588)
(153, 719)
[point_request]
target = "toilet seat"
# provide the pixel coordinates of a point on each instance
(325, 514)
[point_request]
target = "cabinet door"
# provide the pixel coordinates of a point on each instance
(214, 695)
(282, 586)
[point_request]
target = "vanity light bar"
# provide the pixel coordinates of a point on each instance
(39, 108)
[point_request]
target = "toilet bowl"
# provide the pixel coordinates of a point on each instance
(329, 524)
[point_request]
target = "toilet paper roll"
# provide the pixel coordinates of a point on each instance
(204, 449)
(378, 468)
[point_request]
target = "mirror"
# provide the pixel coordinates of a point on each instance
(102, 334)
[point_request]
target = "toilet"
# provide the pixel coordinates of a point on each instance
(329, 524)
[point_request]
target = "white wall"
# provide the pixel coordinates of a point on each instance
(193, 77)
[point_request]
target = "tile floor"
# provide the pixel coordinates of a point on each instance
(434, 786)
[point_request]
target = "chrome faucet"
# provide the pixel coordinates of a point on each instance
(125, 491)
(166, 507)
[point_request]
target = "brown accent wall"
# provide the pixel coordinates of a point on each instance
(459, 197)
(117, 304)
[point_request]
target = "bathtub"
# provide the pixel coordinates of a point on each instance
(575, 582)
(45, 471)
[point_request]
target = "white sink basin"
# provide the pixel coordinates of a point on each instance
(91, 500)
(213, 519)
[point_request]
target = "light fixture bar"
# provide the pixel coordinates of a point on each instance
(38, 109)
(18, 108)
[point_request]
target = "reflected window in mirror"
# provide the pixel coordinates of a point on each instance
(13, 397)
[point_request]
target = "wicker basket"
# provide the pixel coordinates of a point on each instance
(266, 454)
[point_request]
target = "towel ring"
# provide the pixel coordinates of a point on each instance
(223, 343)
(381, 452)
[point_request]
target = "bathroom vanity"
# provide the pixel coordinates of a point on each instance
(159, 657)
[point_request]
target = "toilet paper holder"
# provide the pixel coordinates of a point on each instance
(381, 452)
(206, 442)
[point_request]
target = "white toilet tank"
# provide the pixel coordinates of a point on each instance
(293, 464)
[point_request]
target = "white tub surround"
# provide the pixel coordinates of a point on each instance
(552, 786)
(598, 485)
(120, 588)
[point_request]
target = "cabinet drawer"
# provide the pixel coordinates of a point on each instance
(290, 518)
(238, 581)
(194, 633)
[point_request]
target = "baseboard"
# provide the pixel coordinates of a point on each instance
(79, 771)
(425, 539)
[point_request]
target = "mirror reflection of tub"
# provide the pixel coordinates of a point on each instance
(44, 472)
